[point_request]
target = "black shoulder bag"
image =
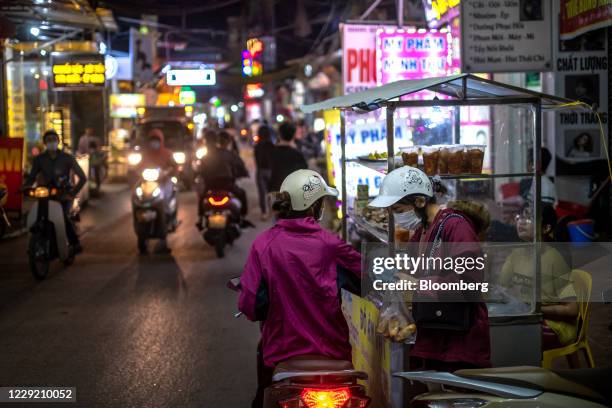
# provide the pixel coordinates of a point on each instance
(429, 313)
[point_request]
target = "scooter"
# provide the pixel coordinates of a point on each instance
(154, 211)
(514, 387)
(4, 221)
(221, 219)
(312, 381)
(46, 223)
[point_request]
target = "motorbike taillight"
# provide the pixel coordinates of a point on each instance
(325, 398)
(218, 201)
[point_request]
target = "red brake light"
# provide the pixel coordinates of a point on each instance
(218, 202)
(330, 398)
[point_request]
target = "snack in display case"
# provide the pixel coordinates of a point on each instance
(410, 155)
(376, 156)
(474, 158)
(431, 156)
(376, 217)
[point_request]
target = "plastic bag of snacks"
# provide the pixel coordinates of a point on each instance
(395, 323)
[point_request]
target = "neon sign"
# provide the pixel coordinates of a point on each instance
(251, 58)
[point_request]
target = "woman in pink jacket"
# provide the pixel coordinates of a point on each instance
(296, 263)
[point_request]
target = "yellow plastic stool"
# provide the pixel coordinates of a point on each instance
(582, 284)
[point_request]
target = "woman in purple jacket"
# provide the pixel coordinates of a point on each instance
(296, 261)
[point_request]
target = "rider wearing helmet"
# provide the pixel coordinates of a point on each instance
(56, 168)
(156, 155)
(411, 196)
(296, 263)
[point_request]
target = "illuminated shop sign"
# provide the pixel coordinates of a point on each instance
(252, 58)
(440, 12)
(191, 77)
(76, 72)
(187, 97)
(125, 105)
(413, 54)
(253, 91)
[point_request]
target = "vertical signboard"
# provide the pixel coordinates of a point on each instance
(506, 35)
(142, 53)
(11, 171)
(581, 73)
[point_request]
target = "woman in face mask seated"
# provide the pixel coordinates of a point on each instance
(446, 341)
(557, 293)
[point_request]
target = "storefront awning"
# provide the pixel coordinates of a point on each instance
(462, 86)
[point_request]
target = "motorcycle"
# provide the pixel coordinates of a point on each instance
(46, 223)
(312, 381)
(514, 387)
(154, 210)
(222, 219)
(4, 221)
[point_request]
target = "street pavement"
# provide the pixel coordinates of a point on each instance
(130, 330)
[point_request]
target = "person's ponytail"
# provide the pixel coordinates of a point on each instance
(282, 204)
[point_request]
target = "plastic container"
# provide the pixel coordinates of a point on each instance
(455, 159)
(581, 231)
(565, 208)
(431, 156)
(443, 160)
(410, 155)
(474, 156)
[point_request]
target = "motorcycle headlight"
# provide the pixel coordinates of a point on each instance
(156, 192)
(179, 157)
(174, 179)
(201, 152)
(150, 174)
(41, 192)
(134, 158)
(139, 192)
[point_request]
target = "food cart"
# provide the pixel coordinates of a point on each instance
(432, 109)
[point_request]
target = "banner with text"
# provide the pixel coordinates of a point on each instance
(506, 36)
(581, 73)
(412, 54)
(579, 16)
(358, 57)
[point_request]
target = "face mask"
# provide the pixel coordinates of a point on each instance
(407, 220)
(155, 144)
(52, 146)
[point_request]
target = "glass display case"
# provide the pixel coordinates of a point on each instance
(483, 140)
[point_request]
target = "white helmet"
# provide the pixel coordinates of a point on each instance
(305, 187)
(400, 183)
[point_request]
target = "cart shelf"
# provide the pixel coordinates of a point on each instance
(370, 230)
(381, 167)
